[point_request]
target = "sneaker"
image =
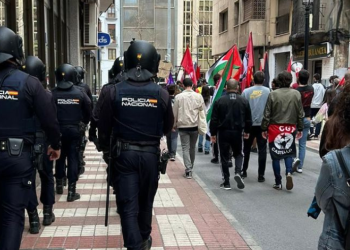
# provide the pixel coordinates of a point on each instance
(299, 170)
(188, 175)
(200, 150)
(289, 182)
(239, 180)
(230, 165)
(261, 178)
(296, 164)
(310, 136)
(172, 158)
(206, 152)
(254, 150)
(244, 174)
(277, 186)
(225, 186)
(215, 161)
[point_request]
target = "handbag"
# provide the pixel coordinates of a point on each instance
(346, 172)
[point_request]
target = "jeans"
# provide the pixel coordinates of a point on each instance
(206, 144)
(188, 143)
(171, 141)
(317, 132)
(255, 132)
(302, 142)
(277, 168)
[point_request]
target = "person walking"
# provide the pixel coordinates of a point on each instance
(187, 108)
(171, 138)
(135, 115)
(231, 121)
(22, 97)
(316, 104)
(283, 116)
(257, 98)
(207, 101)
(307, 93)
(215, 146)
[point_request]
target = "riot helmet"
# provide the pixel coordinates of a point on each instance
(66, 76)
(81, 73)
(11, 45)
(118, 67)
(35, 67)
(141, 61)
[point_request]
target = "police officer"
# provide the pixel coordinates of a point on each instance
(81, 75)
(21, 97)
(73, 107)
(137, 113)
(35, 67)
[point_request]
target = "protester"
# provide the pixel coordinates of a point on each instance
(215, 160)
(171, 138)
(307, 94)
(257, 98)
(316, 104)
(207, 101)
(187, 108)
(283, 115)
(332, 190)
(231, 121)
(274, 84)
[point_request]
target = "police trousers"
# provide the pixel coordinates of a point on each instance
(135, 181)
(47, 195)
(15, 188)
(70, 152)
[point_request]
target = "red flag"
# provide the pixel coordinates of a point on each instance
(289, 68)
(248, 64)
(237, 63)
(187, 65)
(198, 72)
(342, 81)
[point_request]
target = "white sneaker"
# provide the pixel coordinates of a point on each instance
(296, 164)
(299, 170)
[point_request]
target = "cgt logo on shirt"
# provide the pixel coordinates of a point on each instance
(8, 95)
(139, 102)
(68, 101)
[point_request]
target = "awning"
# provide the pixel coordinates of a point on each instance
(104, 5)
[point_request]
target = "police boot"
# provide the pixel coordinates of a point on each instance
(34, 222)
(49, 216)
(146, 245)
(65, 181)
(72, 195)
(59, 186)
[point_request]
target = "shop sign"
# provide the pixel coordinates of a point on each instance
(104, 39)
(315, 52)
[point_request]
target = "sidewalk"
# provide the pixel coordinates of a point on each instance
(314, 145)
(184, 216)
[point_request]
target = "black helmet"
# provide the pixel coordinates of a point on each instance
(10, 45)
(35, 67)
(141, 60)
(66, 76)
(81, 73)
(117, 67)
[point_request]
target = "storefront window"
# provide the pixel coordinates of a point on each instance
(35, 28)
(2, 14)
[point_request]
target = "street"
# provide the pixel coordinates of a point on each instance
(276, 220)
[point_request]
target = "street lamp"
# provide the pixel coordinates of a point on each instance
(308, 4)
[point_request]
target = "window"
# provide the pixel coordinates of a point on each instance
(236, 14)
(223, 22)
(282, 19)
(2, 14)
(254, 9)
(112, 54)
(111, 11)
(130, 2)
(111, 32)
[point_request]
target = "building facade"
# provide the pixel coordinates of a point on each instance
(109, 22)
(195, 30)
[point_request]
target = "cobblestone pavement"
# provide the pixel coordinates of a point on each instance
(184, 216)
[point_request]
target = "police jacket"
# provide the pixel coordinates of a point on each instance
(231, 112)
(21, 98)
(86, 88)
(135, 112)
(73, 106)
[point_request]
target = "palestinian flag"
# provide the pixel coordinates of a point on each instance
(226, 75)
(220, 65)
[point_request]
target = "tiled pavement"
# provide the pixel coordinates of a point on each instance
(184, 216)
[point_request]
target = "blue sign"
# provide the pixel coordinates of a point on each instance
(104, 39)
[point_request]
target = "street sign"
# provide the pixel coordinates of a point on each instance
(104, 39)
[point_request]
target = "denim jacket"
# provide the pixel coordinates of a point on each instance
(333, 197)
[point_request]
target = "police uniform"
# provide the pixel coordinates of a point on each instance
(21, 97)
(137, 113)
(73, 107)
(35, 67)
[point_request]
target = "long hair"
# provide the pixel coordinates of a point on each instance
(206, 94)
(338, 125)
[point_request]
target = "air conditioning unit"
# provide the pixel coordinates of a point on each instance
(90, 24)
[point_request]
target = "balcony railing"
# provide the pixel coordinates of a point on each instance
(282, 24)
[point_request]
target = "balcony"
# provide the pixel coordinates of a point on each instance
(282, 25)
(257, 27)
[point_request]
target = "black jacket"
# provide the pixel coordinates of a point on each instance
(231, 112)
